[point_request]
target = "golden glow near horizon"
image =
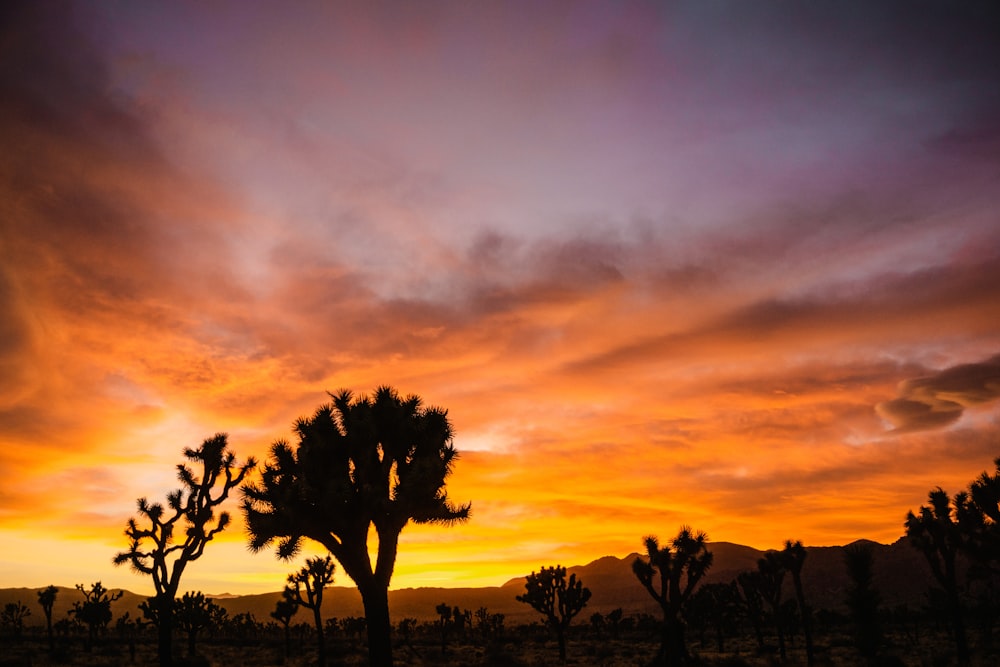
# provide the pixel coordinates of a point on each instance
(648, 293)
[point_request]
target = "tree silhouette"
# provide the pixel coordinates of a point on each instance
(13, 615)
(750, 584)
(47, 599)
(377, 461)
(284, 609)
(445, 624)
(556, 598)
(718, 604)
(794, 556)
(316, 575)
(863, 600)
(937, 533)
(771, 569)
(680, 565)
(193, 613)
(95, 610)
(980, 521)
(177, 534)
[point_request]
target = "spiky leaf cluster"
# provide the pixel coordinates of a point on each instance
(306, 586)
(680, 565)
(377, 461)
(554, 596)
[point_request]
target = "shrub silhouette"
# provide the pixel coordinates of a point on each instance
(177, 534)
(556, 598)
(377, 461)
(685, 557)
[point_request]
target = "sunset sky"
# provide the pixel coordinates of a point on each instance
(734, 265)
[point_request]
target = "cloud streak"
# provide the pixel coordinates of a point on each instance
(940, 399)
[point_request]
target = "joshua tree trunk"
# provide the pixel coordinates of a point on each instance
(561, 640)
(376, 603)
(673, 651)
(165, 633)
(320, 641)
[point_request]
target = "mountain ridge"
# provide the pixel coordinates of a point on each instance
(901, 576)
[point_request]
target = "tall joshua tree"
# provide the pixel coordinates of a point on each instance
(378, 461)
(863, 600)
(771, 576)
(794, 556)
(47, 599)
(316, 575)
(171, 537)
(680, 564)
(557, 598)
(936, 531)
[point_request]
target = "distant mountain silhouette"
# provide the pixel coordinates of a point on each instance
(901, 576)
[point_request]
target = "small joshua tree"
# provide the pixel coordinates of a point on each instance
(680, 564)
(13, 615)
(95, 610)
(193, 613)
(284, 610)
(316, 575)
(47, 599)
(556, 598)
(177, 534)
(793, 557)
(771, 570)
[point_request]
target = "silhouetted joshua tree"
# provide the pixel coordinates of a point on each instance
(47, 599)
(377, 461)
(95, 610)
(556, 598)
(771, 570)
(794, 556)
(937, 533)
(445, 624)
(13, 616)
(177, 534)
(680, 565)
(316, 575)
(193, 613)
(718, 605)
(750, 584)
(863, 600)
(980, 521)
(284, 610)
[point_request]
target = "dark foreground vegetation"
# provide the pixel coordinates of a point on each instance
(910, 638)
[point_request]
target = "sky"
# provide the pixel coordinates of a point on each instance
(720, 264)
